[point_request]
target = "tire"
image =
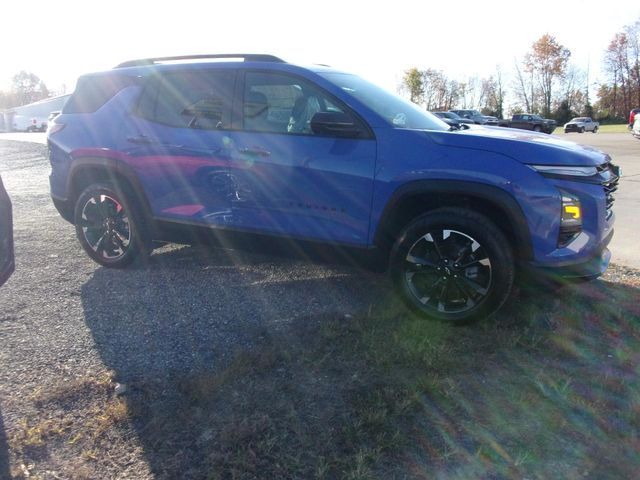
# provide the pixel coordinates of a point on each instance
(453, 265)
(537, 128)
(595, 130)
(108, 226)
(581, 130)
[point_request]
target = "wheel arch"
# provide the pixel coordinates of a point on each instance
(420, 197)
(89, 170)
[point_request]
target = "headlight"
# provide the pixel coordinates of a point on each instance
(565, 171)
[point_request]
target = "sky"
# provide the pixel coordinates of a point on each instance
(60, 40)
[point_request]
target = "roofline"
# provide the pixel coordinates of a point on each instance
(247, 57)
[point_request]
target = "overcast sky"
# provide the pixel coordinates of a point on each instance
(60, 40)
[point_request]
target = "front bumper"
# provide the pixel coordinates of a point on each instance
(588, 269)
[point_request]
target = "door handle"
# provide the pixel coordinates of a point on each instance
(255, 152)
(140, 140)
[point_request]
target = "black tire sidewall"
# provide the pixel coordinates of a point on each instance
(136, 246)
(476, 226)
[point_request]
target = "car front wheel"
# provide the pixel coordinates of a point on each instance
(454, 265)
(107, 226)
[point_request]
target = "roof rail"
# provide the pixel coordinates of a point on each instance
(248, 57)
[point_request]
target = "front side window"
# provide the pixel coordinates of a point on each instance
(397, 111)
(280, 103)
(199, 100)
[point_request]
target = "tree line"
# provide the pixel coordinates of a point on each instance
(543, 81)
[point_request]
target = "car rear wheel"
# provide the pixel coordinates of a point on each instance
(537, 128)
(581, 130)
(454, 265)
(108, 226)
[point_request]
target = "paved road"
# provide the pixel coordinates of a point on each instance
(623, 148)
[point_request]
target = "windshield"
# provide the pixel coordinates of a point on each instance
(397, 111)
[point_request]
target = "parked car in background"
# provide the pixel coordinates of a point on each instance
(632, 116)
(176, 148)
(453, 119)
(581, 125)
(474, 115)
(529, 121)
(491, 121)
(6, 236)
(636, 127)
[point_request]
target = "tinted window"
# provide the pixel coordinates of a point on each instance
(93, 92)
(189, 99)
(275, 102)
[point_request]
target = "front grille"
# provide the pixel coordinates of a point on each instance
(610, 175)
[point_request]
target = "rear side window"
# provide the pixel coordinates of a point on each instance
(93, 92)
(189, 99)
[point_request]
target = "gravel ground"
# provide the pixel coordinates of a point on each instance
(65, 320)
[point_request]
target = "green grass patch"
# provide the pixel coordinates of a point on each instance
(623, 128)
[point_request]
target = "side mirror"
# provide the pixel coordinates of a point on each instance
(336, 124)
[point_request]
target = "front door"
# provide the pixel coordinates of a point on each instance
(290, 180)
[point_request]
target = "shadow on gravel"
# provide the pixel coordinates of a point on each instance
(240, 365)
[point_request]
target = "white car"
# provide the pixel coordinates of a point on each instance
(24, 123)
(581, 125)
(636, 127)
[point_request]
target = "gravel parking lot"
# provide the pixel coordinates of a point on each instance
(64, 320)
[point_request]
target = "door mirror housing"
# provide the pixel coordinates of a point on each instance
(335, 124)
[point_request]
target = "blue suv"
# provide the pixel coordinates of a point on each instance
(249, 143)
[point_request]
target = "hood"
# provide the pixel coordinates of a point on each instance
(522, 145)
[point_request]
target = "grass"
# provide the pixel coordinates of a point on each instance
(550, 388)
(602, 129)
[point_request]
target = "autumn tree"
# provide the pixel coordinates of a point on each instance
(547, 62)
(621, 92)
(412, 84)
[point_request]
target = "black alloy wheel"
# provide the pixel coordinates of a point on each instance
(106, 226)
(454, 265)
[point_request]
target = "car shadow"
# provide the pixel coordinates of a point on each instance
(4, 452)
(193, 309)
(190, 311)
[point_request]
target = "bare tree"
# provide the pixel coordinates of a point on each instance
(28, 88)
(525, 89)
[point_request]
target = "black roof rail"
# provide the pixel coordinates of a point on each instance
(248, 57)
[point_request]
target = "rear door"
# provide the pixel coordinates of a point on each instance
(177, 144)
